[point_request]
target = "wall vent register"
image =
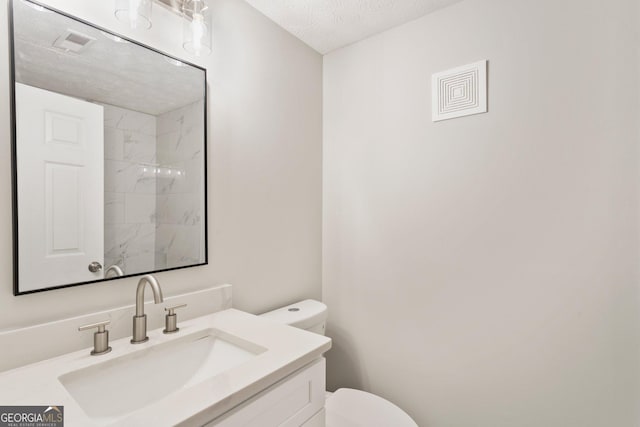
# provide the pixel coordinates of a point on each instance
(459, 92)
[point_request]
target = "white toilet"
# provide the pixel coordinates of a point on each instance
(346, 407)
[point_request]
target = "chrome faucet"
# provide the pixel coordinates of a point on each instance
(116, 270)
(140, 319)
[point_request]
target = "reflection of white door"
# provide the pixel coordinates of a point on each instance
(60, 172)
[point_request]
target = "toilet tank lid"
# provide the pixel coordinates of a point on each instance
(304, 314)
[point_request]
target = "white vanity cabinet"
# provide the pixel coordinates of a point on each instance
(297, 400)
(224, 369)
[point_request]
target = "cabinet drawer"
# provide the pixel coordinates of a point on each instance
(288, 403)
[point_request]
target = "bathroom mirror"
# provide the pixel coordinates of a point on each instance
(109, 154)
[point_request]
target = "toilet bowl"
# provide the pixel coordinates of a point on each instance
(345, 407)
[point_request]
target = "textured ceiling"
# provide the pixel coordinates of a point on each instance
(326, 25)
(122, 74)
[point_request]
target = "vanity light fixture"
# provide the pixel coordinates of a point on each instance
(196, 32)
(196, 16)
(157, 171)
(135, 13)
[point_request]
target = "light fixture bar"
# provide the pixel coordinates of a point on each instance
(195, 14)
(135, 13)
(174, 6)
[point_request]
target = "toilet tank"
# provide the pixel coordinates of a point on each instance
(308, 314)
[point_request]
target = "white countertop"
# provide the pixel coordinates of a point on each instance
(287, 350)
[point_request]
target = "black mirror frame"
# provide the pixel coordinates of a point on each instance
(14, 172)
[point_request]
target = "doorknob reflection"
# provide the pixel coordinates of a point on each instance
(95, 266)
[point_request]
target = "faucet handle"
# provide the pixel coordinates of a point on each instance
(171, 319)
(100, 325)
(100, 337)
(171, 310)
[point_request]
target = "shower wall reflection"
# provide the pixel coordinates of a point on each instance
(153, 187)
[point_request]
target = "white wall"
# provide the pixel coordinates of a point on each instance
(483, 271)
(264, 182)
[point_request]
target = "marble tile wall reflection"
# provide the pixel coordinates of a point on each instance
(154, 182)
(180, 186)
(130, 192)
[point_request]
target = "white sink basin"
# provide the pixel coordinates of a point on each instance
(143, 377)
(211, 366)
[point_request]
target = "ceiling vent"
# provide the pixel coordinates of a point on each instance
(73, 41)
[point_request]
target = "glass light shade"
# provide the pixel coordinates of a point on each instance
(135, 13)
(196, 34)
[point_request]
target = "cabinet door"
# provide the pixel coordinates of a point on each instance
(288, 403)
(318, 420)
